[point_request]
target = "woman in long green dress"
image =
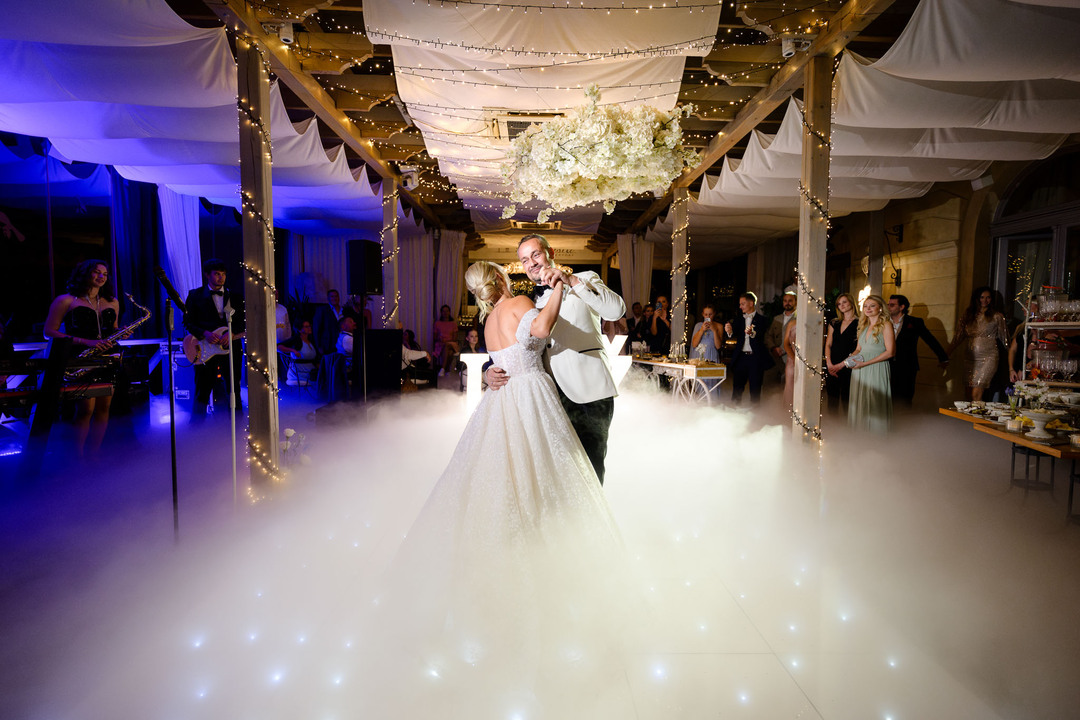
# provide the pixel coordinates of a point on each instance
(870, 403)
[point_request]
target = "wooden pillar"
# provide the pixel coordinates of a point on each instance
(680, 263)
(389, 241)
(253, 90)
(813, 234)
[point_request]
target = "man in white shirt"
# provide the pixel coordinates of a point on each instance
(575, 355)
(344, 343)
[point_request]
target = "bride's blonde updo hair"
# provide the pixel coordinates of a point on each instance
(485, 281)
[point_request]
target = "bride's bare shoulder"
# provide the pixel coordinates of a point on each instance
(519, 305)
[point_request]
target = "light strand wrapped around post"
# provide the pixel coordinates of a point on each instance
(256, 157)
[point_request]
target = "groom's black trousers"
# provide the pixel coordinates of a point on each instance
(591, 422)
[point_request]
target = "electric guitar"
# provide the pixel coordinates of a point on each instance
(198, 351)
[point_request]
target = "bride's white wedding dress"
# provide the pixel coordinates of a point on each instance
(507, 598)
(519, 537)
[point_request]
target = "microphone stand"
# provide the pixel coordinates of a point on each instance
(232, 394)
(172, 417)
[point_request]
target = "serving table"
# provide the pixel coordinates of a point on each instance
(973, 419)
(1058, 448)
(687, 379)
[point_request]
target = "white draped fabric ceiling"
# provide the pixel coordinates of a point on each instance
(968, 82)
(128, 83)
(459, 67)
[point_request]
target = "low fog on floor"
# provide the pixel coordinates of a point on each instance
(872, 577)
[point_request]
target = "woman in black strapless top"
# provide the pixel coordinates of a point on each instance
(841, 342)
(88, 312)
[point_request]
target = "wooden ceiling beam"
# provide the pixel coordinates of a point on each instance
(238, 16)
(841, 29)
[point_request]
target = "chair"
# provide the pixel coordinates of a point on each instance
(292, 365)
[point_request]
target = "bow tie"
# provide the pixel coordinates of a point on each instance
(539, 290)
(218, 292)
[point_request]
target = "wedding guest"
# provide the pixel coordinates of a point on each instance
(344, 344)
(637, 315)
(642, 331)
(774, 338)
(751, 358)
(660, 327)
(305, 356)
(472, 345)
(908, 330)
(870, 405)
(707, 338)
(446, 343)
(789, 363)
(327, 322)
(88, 311)
(283, 325)
(983, 324)
(840, 343)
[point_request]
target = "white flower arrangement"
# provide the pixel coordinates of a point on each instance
(596, 153)
(1032, 391)
(292, 448)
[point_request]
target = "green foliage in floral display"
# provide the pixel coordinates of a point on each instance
(597, 153)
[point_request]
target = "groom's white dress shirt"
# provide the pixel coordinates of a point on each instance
(575, 355)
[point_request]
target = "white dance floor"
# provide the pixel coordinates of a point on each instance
(871, 578)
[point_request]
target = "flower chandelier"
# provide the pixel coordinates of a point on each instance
(596, 153)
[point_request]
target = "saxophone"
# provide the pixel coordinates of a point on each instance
(95, 352)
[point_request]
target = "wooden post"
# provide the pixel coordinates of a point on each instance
(253, 90)
(680, 263)
(389, 241)
(813, 234)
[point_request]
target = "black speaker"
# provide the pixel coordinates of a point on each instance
(380, 363)
(364, 261)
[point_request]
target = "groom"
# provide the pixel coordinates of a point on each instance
(575, 355)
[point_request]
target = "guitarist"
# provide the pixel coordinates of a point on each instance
(205, 319)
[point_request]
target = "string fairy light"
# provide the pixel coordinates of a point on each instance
(693, 46)
(683, 266)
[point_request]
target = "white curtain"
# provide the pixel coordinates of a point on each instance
(415, 270)
(449, 276)
(180, 225)
(635, 268)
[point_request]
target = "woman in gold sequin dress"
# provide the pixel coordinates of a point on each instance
(984, 326)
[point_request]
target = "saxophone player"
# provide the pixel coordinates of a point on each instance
(88, 314)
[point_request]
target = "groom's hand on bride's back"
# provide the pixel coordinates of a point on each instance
(495, 377)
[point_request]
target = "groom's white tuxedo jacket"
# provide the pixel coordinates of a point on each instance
(575, 354)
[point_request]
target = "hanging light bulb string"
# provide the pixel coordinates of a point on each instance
(813, 431)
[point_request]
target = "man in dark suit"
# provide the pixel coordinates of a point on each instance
(327, 322)
(904, 365)
(750, 357)
(205, 319)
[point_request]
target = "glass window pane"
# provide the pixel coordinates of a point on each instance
(1028, 269)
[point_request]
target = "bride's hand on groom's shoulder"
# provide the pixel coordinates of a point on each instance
(495, 377)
